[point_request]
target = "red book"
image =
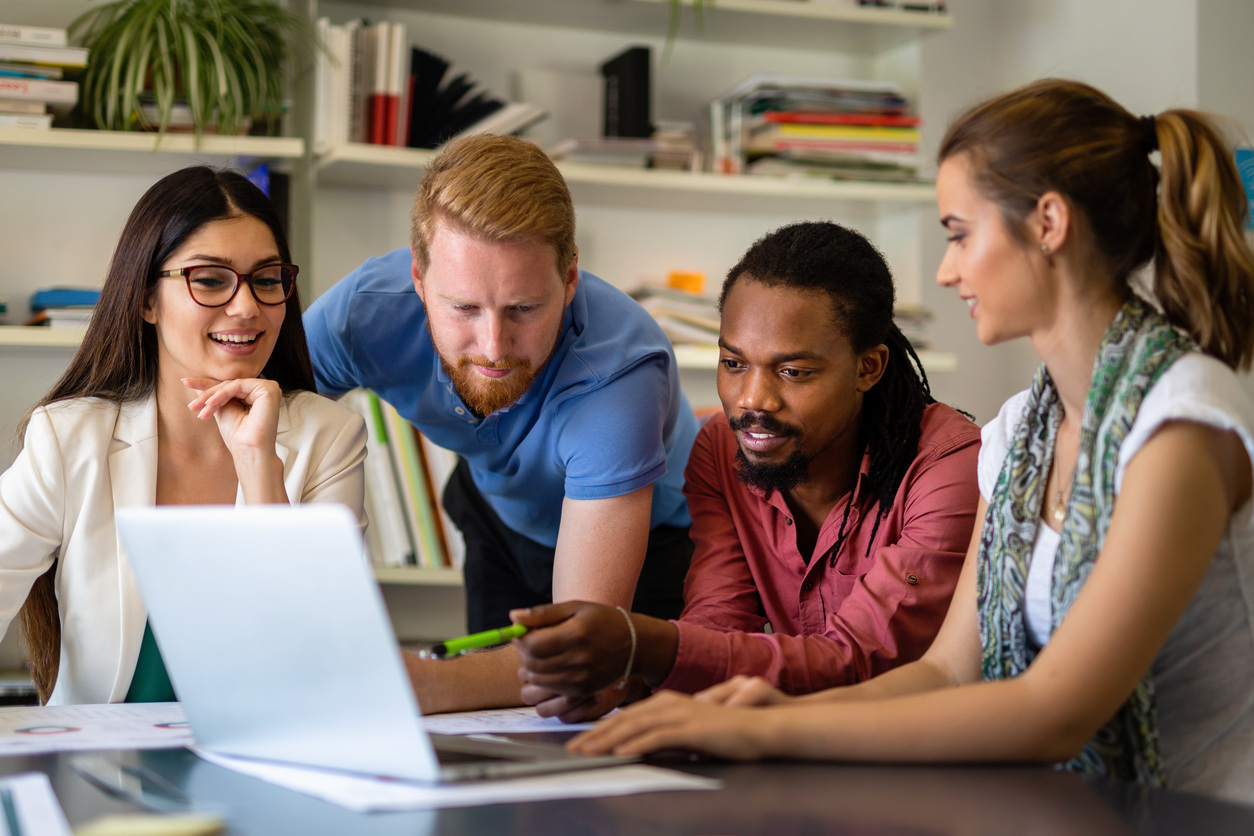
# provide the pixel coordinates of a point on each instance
(877, 119)
(835, 146)
(378, 118)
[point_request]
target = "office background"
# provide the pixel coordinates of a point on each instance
(59, 227)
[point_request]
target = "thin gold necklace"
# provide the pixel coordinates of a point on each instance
(1059, 511)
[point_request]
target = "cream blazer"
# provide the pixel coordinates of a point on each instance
(84, 458)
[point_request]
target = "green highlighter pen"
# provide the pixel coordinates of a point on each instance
(456, 647)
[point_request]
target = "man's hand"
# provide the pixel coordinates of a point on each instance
(574, 648)
(573, 709)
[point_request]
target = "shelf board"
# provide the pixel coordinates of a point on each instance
(415, 576)
(705, 357)
(360, 164)
(701, 357)
(60, 149)
(40, 337)
(806, 24)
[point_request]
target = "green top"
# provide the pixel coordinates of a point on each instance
(150, 683)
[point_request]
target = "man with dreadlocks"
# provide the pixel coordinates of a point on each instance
(833, 500)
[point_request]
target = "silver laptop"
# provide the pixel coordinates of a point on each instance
(275, 636)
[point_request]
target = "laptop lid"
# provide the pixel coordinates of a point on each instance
(275, 636)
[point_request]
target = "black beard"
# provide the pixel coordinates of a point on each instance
(780, 477)
(768, 477)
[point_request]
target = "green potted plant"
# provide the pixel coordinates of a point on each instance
(226, 61)
(676, 8)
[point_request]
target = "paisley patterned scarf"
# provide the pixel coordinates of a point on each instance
(1137, 347)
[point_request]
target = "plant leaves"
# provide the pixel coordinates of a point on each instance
(230, 60)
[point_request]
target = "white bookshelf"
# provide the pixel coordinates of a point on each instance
(40, 337)
(697, 357)
(706, 357)
(121, 152)
(343, 210)
(416, 576)
(359, 164)
(808, 24)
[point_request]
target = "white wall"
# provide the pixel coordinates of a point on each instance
(1226, 61)
(1150, 55)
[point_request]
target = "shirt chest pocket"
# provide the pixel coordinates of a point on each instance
(850, 568)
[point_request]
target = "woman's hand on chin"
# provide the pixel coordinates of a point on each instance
(246, 411)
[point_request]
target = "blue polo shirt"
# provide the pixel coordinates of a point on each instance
(604, 417)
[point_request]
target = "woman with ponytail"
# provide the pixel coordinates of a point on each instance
(1104, 620)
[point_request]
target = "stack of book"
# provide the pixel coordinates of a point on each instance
(63, 307)
(405, 476)
(803, 126)
(671, 147)
(913, 321)
(686, 318)
(936, 6)
(371, 86)
(34, 61)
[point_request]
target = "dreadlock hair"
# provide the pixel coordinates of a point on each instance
(827, 257)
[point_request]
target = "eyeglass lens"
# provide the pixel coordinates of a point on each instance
(215, 285)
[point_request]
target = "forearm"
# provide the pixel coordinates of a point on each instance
(488, 679)
(913, 678)
(985, 721)
(601, 546)
(794, 664)
(657, 645)
(260, 475)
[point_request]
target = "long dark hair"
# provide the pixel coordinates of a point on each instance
(117, 360)
(827, 257)
(1064, 136)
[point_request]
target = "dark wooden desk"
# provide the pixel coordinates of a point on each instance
(779, 799)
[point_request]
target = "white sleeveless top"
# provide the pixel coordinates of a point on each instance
(1204, 674)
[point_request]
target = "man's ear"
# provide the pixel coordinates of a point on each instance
(416, 272)
(572, 278)
(871, 366)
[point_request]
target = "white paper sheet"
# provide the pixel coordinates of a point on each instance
(35, 805)
(370, 795)
(32, 729)
(498, 721)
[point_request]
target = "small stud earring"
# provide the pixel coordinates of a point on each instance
(1044, 249)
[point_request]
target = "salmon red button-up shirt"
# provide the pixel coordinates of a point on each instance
(878, 606)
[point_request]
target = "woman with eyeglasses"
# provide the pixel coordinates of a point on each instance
(192, 386)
